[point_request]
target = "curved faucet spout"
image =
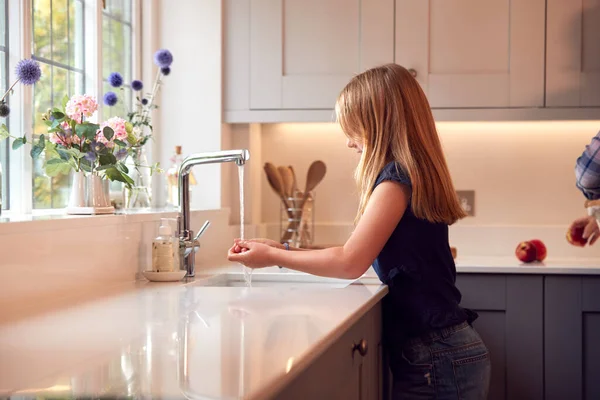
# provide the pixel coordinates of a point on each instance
(186, 236)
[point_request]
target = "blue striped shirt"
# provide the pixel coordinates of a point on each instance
(587, 170)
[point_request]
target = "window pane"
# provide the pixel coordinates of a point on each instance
(76, 34)
(4, 149)
(58, 38)
(4, 145)
(116, 53)
(120, 9)
(42, 46)
(60, 31)
(3, 23)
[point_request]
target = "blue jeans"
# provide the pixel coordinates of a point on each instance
(450, 363)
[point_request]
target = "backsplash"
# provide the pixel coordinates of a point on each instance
(522, 174)
(45, 266)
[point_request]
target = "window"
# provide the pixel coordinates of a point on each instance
(4, 148)
(58, 45)
(77, 43)
(117, 52)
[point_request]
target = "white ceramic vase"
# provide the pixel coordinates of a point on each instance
(78, 185)
(89, 195)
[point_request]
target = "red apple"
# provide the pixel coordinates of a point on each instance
(540, 248)
(575, 237)
(526, 252)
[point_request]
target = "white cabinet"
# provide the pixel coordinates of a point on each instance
(573, 53)
(345, 371)
(303, 52)
(287, 60)
(471, 53)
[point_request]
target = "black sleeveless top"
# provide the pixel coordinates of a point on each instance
(417, 265)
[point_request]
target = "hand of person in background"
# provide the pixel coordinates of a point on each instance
(583, 230)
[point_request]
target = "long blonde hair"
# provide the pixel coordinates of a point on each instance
(385, 109)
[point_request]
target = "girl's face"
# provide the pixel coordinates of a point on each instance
(352, 144)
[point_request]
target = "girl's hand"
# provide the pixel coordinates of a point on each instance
(268, 242)
(251, 253)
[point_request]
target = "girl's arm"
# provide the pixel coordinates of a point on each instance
(382, 214)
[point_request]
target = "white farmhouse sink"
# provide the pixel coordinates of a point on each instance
(273, 277)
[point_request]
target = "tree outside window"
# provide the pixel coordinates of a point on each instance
(58, 45)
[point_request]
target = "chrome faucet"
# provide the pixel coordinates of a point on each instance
(187, 241)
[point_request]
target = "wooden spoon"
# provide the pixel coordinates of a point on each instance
(316, 173)
(274, 178)
(276, 182)
(295, 181)
(288, 180)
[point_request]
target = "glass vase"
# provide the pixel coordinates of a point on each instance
(140, 194)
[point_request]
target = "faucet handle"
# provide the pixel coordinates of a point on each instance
(202, 230)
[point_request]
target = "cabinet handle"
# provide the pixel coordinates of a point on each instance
(361, 347)
(413, 72)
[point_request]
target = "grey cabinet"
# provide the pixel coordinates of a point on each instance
(474, 54)
(341, 371)
(511, 324)
(572, 337)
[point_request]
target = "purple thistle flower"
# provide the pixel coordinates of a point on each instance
(163, 58)
(115, 79)
(137, 85)
(110, 98)
(28, 71)
(90, 156)
(144, 101)
(4, 110)
(121, 154)
(165, 71)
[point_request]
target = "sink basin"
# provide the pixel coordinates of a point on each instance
(274, 279)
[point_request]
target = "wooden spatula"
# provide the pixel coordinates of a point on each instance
(276, 182)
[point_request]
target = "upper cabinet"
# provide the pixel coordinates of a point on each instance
(287, 60)
(470, 53)
(573, 53)
(303, 52)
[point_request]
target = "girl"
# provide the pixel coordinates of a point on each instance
(407, 201)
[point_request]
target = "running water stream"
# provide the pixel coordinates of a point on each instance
(247, 271)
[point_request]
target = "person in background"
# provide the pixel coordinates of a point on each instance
(407, 202)
(587, 174)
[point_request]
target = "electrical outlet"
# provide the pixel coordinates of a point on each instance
(467, 201)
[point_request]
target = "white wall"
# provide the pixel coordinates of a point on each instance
(522, 172)
(190, 101)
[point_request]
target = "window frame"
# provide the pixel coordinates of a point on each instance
(19, 43)
(6, 168)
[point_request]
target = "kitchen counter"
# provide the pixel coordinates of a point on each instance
(171, 340)
(511, 265)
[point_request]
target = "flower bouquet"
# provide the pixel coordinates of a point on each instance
(138, 194)
(95, 152)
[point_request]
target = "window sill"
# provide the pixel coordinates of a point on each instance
(42, 220)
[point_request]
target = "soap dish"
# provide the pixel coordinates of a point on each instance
(174, 276)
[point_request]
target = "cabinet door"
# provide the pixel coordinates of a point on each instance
(572, 333)
(573, 56)
(371, 368)
(471, 53)
(303, 52)
(341, 372)
(510, 323)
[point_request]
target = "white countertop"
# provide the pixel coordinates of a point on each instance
(511, 265)
(175, 339)
(171, 339)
